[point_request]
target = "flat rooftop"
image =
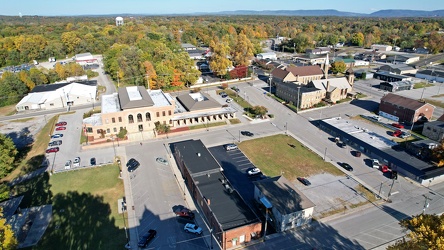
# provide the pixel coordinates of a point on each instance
(111, 103)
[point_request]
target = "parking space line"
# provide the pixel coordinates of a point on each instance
(245, 164)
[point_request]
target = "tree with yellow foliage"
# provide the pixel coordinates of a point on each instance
(426, 232)
(243, 50)
(7, 238)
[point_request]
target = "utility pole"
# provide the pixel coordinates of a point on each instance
(270, 78)
(297, 103)
(286, 128)
(325, 154)
(118, 83)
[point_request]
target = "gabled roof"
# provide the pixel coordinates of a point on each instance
(283, 196)
(402, 101)
(197, 101)
(341, 83)
(305, 70)
(134, 97)
(431, 72)
(279, 73)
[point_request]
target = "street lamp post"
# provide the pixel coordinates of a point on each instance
(112, 139)
(286, 128)
(239, 135)
(124, 222)
(325, 153)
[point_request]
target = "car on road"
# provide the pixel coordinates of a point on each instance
(55, 143)
(304, 181)
(60, 124)
(60, 128)
(254, 171)
(192, 228)
(54, 136)
(132, 165)
(247, 133)
(397, 125)
(52, 150)
(68, 164)
(146, 238)
(161, 161)
(92, 161)
(397, 133)
(346, 166)
(229, 100)
(76, 162)
(229, 147)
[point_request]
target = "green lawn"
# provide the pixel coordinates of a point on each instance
(283, 154)
(420, 85)
(85, 212)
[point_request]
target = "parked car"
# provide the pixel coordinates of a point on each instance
(76, 162)
(247, 133)
(405, 135)
(397, 133)
(52, 150)
(229, 147)
(235, 89)
(375, 117)
(229, 100)
(60, 128)
(55, 143)
(68, 164)
(192, 228)
(223, 94)
(397, 125)
(385, 169)
(146, 238)
(185, 213)
(56, 136)
(92, 161)
(375, 163)
(347, 166)
(304, 181)
(161, 161)
(132, 165)
(254, 171)
(60, 124)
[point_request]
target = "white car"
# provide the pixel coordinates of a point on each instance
(229, 100)
(68, 164)
(254, 171)
(191, 228)
(77, 162)
(375, 163)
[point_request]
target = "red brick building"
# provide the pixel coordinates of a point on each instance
(404, 109)
(231, 220)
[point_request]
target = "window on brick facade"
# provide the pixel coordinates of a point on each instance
(139, 118)
(120, 119)
(113, 120)
(130, 119)
(163, 113)
(157, 114)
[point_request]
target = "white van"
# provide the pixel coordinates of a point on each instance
(229, 147)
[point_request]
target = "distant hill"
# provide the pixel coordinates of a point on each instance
(288, 13)
(407, 13)
(331, 12)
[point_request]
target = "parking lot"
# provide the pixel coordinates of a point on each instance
(155, 193)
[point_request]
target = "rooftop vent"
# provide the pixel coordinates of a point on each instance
(198, 154)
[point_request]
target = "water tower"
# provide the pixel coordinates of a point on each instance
(119, 21)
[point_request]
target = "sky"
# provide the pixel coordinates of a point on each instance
(158, 7)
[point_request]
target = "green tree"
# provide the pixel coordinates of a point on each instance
(426, 232)
(71, 41)
(358, 39)
(8, 154)
(7, 238)
(338, 67)
(11, 89)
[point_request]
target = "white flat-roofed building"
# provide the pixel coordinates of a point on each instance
(85, 58)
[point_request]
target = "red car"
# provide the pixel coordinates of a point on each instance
(59, 124)
(52, 150)
(397, 125)
(397, 133)
(385, 169)
(60, 128)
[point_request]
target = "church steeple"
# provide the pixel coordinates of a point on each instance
(327, 62)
